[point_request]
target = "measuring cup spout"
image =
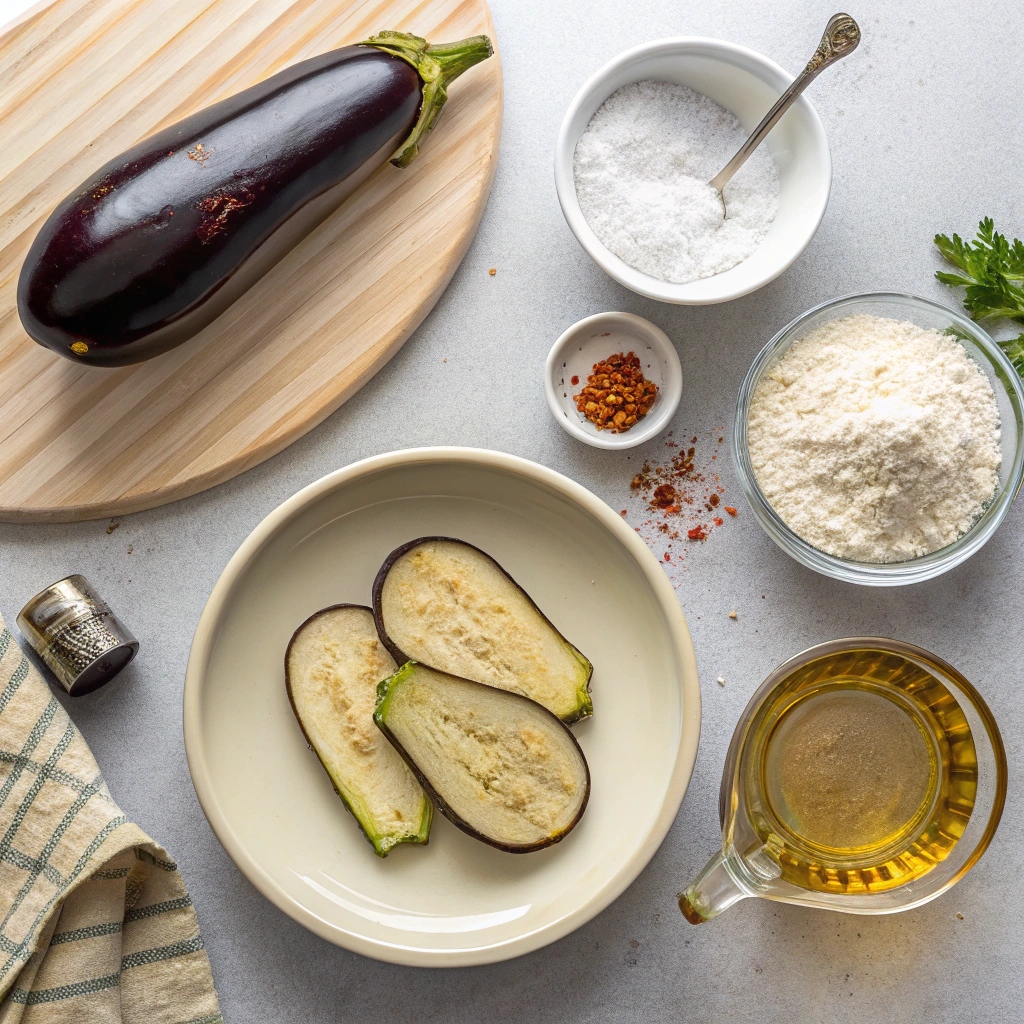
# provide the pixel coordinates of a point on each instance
(715, 889)
(726, 879)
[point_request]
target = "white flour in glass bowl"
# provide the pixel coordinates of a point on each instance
(641, 171)
(875, 440)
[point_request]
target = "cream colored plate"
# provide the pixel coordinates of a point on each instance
(455, 901)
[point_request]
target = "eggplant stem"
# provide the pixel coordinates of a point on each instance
(438, 66)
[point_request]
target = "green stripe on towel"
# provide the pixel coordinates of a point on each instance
(54, 995)
(152, 956)
(90, 932)
(157, 908)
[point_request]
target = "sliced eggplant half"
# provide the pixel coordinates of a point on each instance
(498, 765)
(447, 604)
(332, 667)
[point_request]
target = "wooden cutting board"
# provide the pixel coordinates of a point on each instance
(81, 81)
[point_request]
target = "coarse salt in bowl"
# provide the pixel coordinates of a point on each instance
(1009, 395)
(747, 84)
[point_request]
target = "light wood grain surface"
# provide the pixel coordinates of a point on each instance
(81, 81)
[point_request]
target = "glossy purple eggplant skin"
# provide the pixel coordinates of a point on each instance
(149, 250)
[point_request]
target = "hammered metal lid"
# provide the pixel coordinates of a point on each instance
(76, 635)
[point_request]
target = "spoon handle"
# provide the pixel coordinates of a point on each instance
(841, 37)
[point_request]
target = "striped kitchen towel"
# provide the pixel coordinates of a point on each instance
(96, 924)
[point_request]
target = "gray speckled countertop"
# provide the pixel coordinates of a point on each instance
(925, 128)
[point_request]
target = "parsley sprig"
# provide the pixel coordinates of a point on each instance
(992, 274)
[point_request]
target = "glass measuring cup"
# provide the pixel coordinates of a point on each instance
(906, 816)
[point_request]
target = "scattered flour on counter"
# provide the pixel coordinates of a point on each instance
(642, 169)
(875, 440)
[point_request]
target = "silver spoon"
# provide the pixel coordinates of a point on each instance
(841, 37)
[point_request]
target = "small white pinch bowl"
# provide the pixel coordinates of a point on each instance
(747, 83)
(593, 339)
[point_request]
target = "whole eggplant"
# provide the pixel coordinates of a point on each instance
(161, 240)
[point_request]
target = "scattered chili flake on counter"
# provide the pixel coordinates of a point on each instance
(616, 394)
(492, 271)
(682, 499)
(664, 496)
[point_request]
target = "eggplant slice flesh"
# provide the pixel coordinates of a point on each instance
(498, 765)
(444, 603)
(332, 667)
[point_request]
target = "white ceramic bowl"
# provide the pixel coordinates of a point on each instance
(455, 901)
(594, 338)
(746, 83)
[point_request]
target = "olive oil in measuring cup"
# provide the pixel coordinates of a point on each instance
(862, 773)
(852, 778)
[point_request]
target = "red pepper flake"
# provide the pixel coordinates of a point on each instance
(683, 496)
(731, 511)
(616, 395)
(217, 208)
(574, 379)
(664, 497)
(623, 512)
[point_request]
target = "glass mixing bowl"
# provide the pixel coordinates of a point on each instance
(1009, 397)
